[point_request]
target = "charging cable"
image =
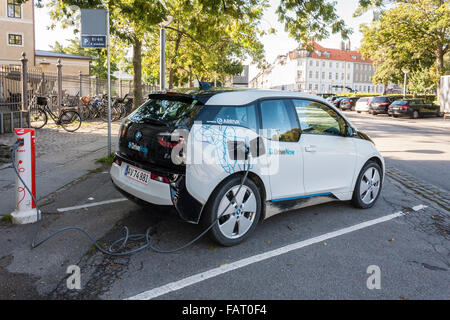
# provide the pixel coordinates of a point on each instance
(117, 246)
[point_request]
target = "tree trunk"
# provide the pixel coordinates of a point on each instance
(439, 67)
(137, 80)
(172, 66)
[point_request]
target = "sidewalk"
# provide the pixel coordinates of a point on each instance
(61, 157)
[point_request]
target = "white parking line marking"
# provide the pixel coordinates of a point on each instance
(93, 204)
(177, 285)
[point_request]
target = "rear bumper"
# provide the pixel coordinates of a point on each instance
(379, 109)
(400, 113)
(155, 192)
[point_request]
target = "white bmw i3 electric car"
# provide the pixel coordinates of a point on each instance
(229, 158)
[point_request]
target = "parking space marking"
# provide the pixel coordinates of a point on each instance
(93, 204)
(180, 284)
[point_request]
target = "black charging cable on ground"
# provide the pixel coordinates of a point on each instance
(122, 242)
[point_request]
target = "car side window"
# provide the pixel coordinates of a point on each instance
(244, 116)
(317, 118)
(278, 121)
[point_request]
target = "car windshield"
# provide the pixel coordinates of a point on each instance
(167, 111)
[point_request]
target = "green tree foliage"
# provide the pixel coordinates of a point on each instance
(412, 33)
(421, 80)
(307, 20)
(206, 40)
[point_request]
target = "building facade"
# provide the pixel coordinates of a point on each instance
(323, 70)
(16, 31)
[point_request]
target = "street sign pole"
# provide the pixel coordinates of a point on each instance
(109, 84)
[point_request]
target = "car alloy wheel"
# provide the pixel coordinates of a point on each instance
(237, 216)
(368, 186)
(240, 215)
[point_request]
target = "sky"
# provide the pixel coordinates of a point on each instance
(275, 44)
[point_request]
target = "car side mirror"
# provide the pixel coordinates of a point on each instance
(349, 131)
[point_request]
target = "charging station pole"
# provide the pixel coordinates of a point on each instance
(95, 33)
(25, 162)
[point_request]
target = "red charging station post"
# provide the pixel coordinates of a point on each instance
(26, 211)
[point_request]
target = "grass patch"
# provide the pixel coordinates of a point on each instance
(107, 159)
(95, 170)
(6, 218)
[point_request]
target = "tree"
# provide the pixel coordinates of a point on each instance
(414, 33)
(129, 21)
(307, 20)
(206, 40)
(421, 81)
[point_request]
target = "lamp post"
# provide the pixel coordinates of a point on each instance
(162, 70)
(405, 71)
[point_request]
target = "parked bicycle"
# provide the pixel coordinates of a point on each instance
(69, 119)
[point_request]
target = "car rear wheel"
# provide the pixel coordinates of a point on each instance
(368, 186)
(238, 215)
(415, 114)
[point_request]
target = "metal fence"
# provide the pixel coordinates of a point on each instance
(62, 89)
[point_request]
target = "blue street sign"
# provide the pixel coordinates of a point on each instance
(93, 41)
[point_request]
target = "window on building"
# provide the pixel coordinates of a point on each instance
(317, 74)
(14, 9)
(310, 63)
(15, 39)
(337, 76)
(342, 76)
(331, 64)
(299, 73)
(348, 76)
(323, 75)
(310, 86)
(323, 64)
(330, 76)
(317, 63)
(310, 74)
(316, 87)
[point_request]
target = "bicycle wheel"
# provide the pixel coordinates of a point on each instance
(38, 118)
(70, 120)
(85, 112)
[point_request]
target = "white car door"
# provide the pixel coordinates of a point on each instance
(329, 156)
(283, 153)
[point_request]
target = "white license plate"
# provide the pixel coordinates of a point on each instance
(136, 174)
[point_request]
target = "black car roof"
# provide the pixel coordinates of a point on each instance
(193, 93)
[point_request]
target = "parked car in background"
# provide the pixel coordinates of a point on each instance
(348, 103)
(337, 102)
(379, 105)
(362, 105)
(413, 108)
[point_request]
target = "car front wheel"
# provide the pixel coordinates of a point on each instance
(368, 186)
(236, 211)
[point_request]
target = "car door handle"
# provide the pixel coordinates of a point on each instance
(310, 148)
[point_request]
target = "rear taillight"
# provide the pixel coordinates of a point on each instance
(389, 107)
(384, 104)
(159, 178)
(117, 161)
(169, 144)
(404, 107)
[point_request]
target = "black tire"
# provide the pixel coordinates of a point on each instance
(70, 120)
(210, 212)
(395, 115)
(38, 118)
(415, 115)
(357, 199)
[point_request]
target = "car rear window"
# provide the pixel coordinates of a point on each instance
(400, 103)
(244, 116)
(380, 99)
(170, 111)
